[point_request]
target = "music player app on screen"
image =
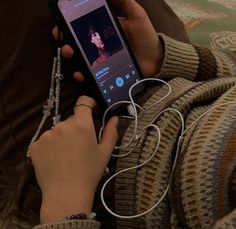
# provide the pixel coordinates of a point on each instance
(102, 46)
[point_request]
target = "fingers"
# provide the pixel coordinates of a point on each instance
(67, 51)
(56, 34)
(78, 76)
(127, 8)
(110, 136)
(84, 108)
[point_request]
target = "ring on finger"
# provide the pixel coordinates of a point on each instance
(82, 105)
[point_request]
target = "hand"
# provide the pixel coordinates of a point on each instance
(69, 163)
(140, 33)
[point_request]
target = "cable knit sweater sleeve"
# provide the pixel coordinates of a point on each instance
(191, 62)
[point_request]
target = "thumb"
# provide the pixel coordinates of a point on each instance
(110, 135)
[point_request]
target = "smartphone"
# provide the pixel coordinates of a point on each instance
(103, 53)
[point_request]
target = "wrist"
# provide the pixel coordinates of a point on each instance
(159, 58)
(61, 204)
(153, 66)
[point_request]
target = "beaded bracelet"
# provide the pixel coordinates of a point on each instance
(82, 216)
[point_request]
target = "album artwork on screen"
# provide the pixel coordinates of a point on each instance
(97, 36)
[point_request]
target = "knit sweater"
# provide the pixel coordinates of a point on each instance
(203, 179)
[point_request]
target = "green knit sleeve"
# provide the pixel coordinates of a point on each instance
(191, 62)
(71, 224)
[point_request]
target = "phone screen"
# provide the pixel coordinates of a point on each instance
(102, 46)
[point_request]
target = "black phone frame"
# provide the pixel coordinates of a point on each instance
(82, 65)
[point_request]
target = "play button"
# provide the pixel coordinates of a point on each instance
(119, 82)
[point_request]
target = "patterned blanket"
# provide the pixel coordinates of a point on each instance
(208, 22)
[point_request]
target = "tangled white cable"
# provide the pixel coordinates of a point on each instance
(136, 137)
(134, 106)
